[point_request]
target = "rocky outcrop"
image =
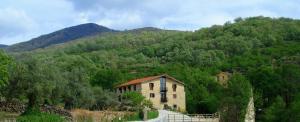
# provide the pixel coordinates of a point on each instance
(250, 112)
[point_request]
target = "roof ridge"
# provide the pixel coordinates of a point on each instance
(141, 80)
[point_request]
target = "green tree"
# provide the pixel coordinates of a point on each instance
(5, 60)
(275, 112)
(106, 78)
(33, 81)
(105, 99)
(236, 99)
(133, 100)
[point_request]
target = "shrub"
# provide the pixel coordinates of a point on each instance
(34, 115)
(138, 116)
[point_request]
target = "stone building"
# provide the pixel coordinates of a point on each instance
(223, 78)
(163, 91)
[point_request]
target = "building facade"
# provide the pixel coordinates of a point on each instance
(223, 77)
(163, 91)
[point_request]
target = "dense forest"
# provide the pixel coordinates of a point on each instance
(263, 54)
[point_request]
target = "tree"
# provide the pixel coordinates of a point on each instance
(133, 100)
(275, 112)
(106, 78)
(236, 99)
(5, 60)
(105, 99)
(78, 92)
(294, 110)
(32, 80)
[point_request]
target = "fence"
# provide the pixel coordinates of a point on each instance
(193, 118)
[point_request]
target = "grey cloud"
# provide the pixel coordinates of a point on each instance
(25, 19)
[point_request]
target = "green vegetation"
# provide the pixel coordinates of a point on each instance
(4, 115)
(138, 117)
(4, 62)
(152, 114)
(262, 52)
(236, 101)
(34, 115)
(41, 117)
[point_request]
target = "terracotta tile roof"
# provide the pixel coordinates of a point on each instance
(140, 80)
(137, 81)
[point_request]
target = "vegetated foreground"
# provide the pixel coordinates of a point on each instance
(262, 53)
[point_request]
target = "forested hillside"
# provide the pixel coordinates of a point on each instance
(61, 36)
(263, 53)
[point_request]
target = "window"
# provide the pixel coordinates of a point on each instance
(163, 83)
(175, 106)
(134, 87)
(151, 86)
(120, 90)
(152, 95)
(174, 87)
(174, 96)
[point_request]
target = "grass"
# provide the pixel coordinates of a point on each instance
(152, 114)
(7, 115)
(81, 115)
(37, 116)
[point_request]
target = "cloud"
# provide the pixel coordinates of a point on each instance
(176, 14)
(25, 19)
(14, 22)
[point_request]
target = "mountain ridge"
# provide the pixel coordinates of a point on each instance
(3, 45)
(60, 36)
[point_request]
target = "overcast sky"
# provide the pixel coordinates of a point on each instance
(21, 20)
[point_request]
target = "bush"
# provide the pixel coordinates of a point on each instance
(138, 116)
(152, 114)
(132, 100)
(34, 115)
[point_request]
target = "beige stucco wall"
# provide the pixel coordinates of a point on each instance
(179, 101)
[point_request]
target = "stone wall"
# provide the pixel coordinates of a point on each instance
(17, 107)
(12, 107)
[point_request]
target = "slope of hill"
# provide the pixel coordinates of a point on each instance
(262, 51)
(61, 36)
(3, 46)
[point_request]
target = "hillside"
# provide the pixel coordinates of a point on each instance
(3, 46)
(60, 36)
(262, 52)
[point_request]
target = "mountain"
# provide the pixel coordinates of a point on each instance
(61, 36)
(145, 29)
(3, 46)
(262, 52)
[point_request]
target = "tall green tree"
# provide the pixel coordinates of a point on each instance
(5, 60)
(236, 99)
(33, 81)
(276, 112)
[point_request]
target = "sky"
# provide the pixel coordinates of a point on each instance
(22, 20)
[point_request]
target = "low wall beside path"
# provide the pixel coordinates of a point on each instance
(17, 107)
